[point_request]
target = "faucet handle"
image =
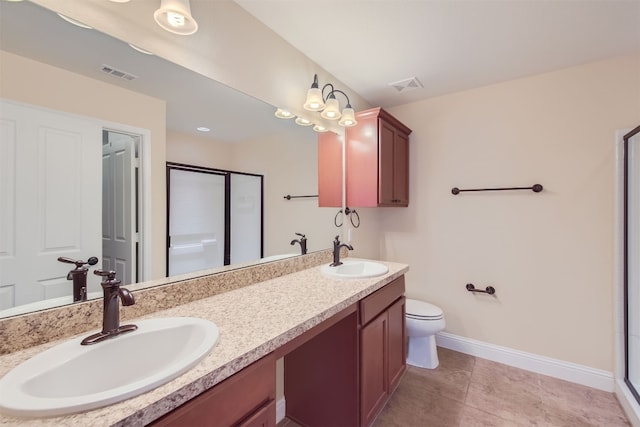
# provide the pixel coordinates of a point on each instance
(105, 273)
(301, 235)
(79, 263)
(110, 277)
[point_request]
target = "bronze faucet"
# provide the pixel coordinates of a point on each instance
(302, 242)
(336, 251)
(111, 308)
(79, 276)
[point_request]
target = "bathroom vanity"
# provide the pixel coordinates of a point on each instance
(342, 342)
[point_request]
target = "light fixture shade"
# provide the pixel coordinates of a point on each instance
(303, 122)
(319, 128)
(332, 109)
(314, 100)
(74, 22)
(348, 118)
(283, 114)
(175, 17)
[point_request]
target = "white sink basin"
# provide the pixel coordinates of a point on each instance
(70, 377)
(355, 269)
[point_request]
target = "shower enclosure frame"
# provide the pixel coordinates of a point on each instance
(626, 261)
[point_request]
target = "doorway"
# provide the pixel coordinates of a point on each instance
(120, 213)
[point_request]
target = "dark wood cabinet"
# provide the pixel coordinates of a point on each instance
(382, 348)
(341, 372)
(245, 399)
(376, 164)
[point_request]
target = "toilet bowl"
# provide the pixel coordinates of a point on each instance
(423, 321)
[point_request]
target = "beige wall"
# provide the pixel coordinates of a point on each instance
(549, 255)
(288, 161)
(36, 83)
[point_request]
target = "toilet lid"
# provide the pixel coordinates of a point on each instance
(417, 309)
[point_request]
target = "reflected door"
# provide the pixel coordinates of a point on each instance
(632, 259)
(50, 181)
(246, 218)
(119, 231)
(196, 220)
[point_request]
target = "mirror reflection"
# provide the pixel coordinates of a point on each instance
(73, 73)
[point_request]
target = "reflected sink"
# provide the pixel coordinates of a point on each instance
(70, 377)
(355, 269)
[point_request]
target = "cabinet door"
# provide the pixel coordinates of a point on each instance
(265, 417)
(386, 163)
(401, 169)
(374, 386)
(330, 169)
(396, 343)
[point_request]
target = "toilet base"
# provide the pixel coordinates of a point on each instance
(423, 352)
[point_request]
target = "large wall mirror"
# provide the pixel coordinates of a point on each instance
(42, 54)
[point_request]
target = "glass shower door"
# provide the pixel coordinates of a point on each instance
(632, 259)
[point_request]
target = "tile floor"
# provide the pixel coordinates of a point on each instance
(465, 391)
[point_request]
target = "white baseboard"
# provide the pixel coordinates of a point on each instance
(281, 409)
(579, 374)
(628, 403)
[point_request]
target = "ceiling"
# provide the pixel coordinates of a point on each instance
(448, 45)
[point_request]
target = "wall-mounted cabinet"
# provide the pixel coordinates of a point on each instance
(376, 162)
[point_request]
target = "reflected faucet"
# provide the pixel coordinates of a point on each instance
(111, 308)
(336, 251)
(302, 241)
(79, 276)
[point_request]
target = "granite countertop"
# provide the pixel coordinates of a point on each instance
(253, 321)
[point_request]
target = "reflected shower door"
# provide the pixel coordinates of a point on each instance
(246, 218)
(632, 259)
(196, 220)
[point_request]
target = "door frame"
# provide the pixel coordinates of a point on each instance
(621, 389)
(227, 220)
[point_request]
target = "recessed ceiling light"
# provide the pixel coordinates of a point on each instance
(203, 129)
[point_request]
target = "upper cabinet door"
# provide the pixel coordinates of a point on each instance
(376, 164)
(377, 161)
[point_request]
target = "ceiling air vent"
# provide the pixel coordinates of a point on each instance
(118, 73)
(407, 84)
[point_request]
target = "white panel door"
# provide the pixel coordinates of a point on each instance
(51, 182)
(118, 201)
(196, 221)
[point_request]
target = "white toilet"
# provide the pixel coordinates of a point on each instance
(424, 321)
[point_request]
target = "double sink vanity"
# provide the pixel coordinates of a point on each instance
(340, 332)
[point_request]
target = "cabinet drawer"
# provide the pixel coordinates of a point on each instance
(378, 301)
(231, 401)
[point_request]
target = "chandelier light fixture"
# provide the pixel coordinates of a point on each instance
(328, 104)
(175, 17)
(325, 102)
